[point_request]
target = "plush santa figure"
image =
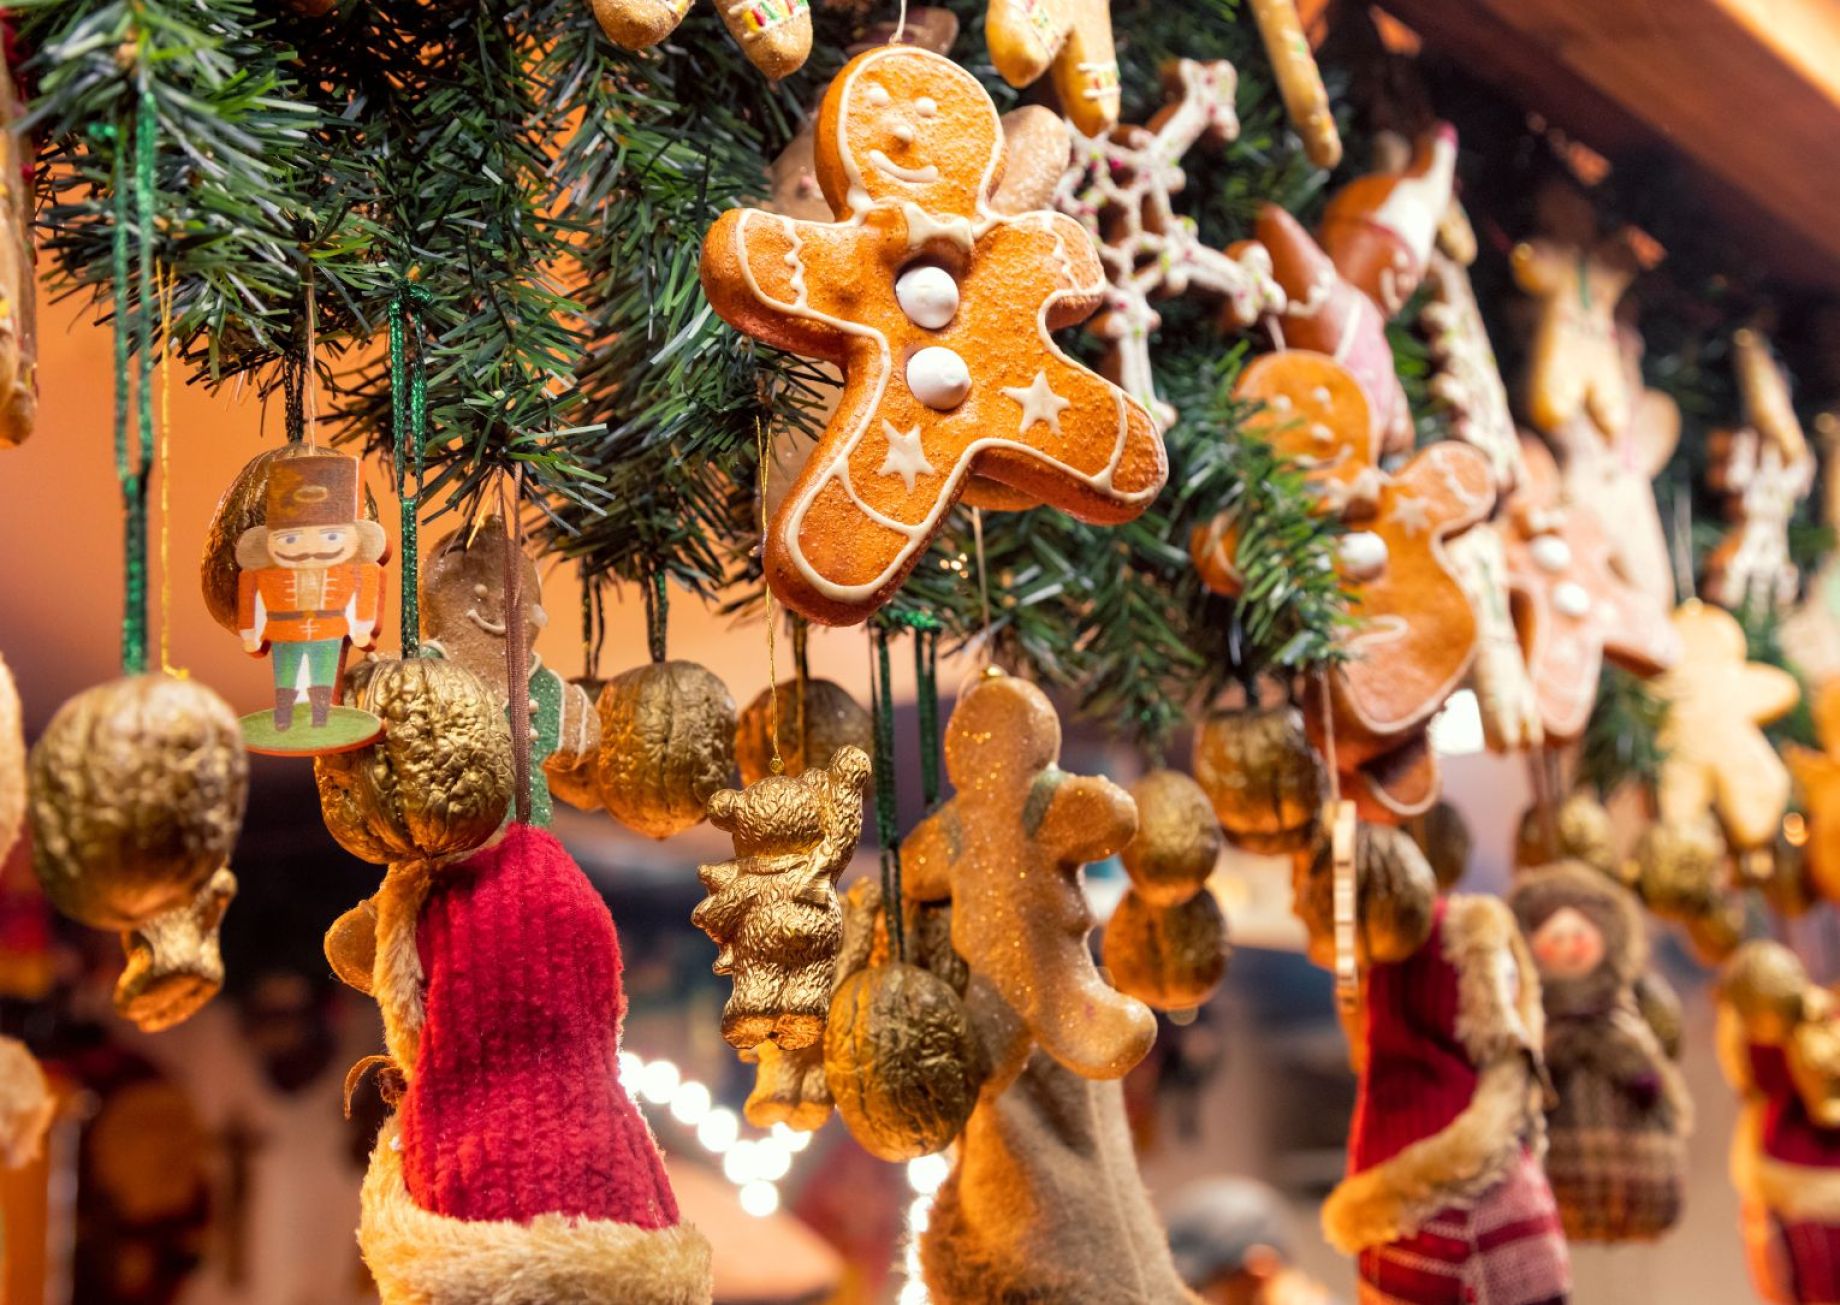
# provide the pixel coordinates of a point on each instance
(1445, 1200)
(516, 1171)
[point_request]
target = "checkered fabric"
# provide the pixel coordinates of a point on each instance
(1616, 1164)
(1508, 1250)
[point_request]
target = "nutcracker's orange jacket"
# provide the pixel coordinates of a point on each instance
(299, 604)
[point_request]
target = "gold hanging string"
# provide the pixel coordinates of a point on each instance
(776, 764)
(311, 379)
(164, 276)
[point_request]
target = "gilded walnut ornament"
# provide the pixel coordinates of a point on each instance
(438, 783)
(136, 796)
(667, 745)
(1266, 781)
(174, 964)
(900, 1060)
(1395, 897)
(813, 725)
(1166, 943)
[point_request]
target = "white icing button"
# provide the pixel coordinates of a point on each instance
(1321, 395)
(926, 106)
(928, 295)
(1551, 554)
(938, 377)
(1571, 599)
(876, 95)
(1363, 554)
(1279, 403)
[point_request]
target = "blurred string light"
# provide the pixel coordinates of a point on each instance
(755, 1165)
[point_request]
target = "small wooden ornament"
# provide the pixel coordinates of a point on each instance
(1575, 364)
(775, 35)
(438, 783)
(1166, 942)
(12, 762)
(136, 796)
(18, 276)
(1265, 779)
(1572, 607)
(667, 745)
(1300, 83)
(466, 618)
(1121, 188)
(1717, 758)
(1072, 39)
(309, 581)
(773, 910)
(1765, 470)
(817, 719)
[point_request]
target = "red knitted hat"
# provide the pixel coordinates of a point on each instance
(517, 1170)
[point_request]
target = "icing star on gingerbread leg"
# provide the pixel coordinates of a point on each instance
(919, 281)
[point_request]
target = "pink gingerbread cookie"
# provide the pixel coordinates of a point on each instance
(939, 310)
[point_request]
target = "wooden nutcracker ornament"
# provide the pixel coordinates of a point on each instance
(1716, 757)
(1765, 470)
(939, 311)
(1043, 1201)
(1072, 39)
(1121, 188)
(1414, 631)
(775, 35)
(466, 617)
(310, 581)
(1375, 242)
(1572, 607)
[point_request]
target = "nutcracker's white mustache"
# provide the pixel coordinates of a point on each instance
(333, 556)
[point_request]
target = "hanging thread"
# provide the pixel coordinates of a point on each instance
(657, 612)
(517, 651)
(925, 628)
(408, 435)
(593, 623)
(775, 762)
(881, 678)
(165, 473)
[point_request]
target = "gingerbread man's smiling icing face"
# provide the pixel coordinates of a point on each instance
(940, 313)
(893, 134)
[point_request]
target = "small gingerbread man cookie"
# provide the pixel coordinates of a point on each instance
(919, 281)
(1070, 38)
(1414, 630)
(1717, 758)
(1572, 607)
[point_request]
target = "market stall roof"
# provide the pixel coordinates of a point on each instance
(1748, 90)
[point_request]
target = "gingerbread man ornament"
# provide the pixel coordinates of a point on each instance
(1572, 607)
(1376, 241)
(1414, 630)
(1072, 39)
(1717, 756)
(775, 35)
(1575, 365)
(939, 311)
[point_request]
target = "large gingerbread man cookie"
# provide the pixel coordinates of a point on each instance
(1572, 606)
(939, 311)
